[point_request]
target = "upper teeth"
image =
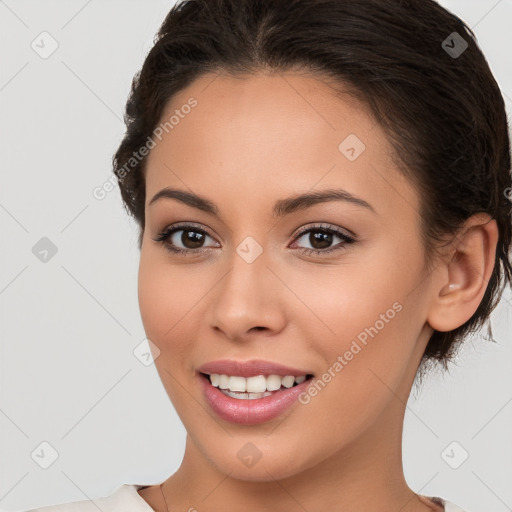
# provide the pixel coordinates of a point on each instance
(256, 384)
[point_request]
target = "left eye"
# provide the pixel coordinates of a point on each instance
(321, 238)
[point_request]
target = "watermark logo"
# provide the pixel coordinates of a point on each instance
(146, 352)
(45, 45)
(454, 45)
(249, 454)
(44, 250)
(454, 455)
(44, 455)
(249, 249)
(352, 147)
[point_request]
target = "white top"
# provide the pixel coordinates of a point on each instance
(126, 499)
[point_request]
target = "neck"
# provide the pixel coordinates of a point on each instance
(366, 474)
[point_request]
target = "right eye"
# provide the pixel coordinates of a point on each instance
(189, 236)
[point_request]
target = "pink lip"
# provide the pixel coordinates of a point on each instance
(250, 412)
(250, 368)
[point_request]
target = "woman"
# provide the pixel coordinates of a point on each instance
(322, 193)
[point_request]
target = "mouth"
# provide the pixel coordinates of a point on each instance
(253, 391)
(255, 399)
(254, 387)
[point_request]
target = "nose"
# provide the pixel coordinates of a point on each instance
(246, 302)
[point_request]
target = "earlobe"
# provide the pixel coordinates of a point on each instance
(465, 275)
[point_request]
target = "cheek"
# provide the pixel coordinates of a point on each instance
(172, 299)
(364, 309)
(152, 302)
(163, 299)
(166, 310)
(341, 300)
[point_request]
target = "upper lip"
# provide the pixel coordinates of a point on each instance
(249, 368)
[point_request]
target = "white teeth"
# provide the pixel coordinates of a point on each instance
(256, 384)
(223, 381)
(288, 381)
(237, 384)
(246, 396)
(273, 382)
(253, 387)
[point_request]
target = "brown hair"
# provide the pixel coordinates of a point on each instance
(430, 89)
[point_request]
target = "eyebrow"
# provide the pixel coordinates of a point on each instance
(281, 207)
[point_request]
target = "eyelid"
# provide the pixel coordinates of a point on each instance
(347, 238)
(327, 227)
(318, 226)
(170, 230)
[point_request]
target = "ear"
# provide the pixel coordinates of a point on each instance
(464, 274)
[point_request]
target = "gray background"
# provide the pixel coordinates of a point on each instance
(68, 373)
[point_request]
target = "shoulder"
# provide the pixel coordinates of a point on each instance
(442, 504)
(124, 499)
(451, 507)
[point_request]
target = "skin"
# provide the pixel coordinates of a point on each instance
(251, 141)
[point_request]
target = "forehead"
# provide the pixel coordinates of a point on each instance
(271, 134)
(272, 109)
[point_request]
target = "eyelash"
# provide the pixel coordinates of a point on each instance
(324, 228)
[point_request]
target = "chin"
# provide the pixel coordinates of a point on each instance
(253, 465)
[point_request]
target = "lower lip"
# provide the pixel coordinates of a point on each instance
(250, 411)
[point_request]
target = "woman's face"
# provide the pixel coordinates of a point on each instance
(282, 284)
